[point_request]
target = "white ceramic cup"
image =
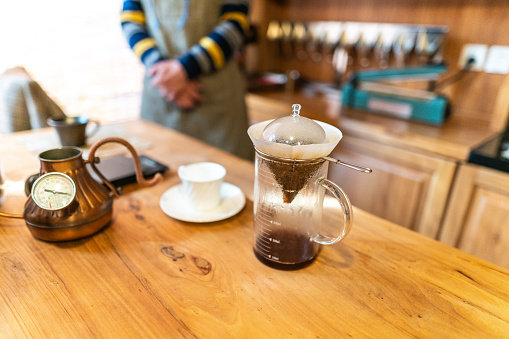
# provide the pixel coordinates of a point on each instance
(201, 184)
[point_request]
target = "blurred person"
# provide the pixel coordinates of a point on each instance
(193, 82)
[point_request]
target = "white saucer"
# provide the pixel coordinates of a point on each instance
(232, 202)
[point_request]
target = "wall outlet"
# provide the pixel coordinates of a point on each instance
(497, 60)
(476, 52)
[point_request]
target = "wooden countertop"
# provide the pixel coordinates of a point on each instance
(148, 275)
(454, 139)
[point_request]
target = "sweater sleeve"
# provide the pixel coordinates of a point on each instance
(135, 30)
(213, 50)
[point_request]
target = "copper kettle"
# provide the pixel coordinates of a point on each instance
(91, 209)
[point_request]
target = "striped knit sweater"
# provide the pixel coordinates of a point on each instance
(209, 55)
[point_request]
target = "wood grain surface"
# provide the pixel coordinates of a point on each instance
(148, 275)
(478, 214)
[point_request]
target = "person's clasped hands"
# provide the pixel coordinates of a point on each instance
(170, 78)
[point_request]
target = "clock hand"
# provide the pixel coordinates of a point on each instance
(56, 192)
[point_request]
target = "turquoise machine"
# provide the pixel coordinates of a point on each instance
(377, 91)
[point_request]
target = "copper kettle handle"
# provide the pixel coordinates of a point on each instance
(139, 175)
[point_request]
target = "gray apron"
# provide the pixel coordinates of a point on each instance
(222, 118)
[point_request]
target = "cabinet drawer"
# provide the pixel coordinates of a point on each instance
(477, 217)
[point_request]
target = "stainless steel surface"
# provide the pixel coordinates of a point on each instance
(367, 44)
(349, 165)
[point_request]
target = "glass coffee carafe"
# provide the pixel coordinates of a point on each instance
(290, 184)
(288, 207)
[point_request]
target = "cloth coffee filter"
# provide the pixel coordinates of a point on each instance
(301, 152)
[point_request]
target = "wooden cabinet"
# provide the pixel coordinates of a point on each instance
(406, 187)
(477, 218)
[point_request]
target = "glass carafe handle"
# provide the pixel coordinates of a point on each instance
(346, 206)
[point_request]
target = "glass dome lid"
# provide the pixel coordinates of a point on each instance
(294, 137)
(294, 130)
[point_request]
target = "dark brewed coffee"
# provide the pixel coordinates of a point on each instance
(283, 267)
(289, 249)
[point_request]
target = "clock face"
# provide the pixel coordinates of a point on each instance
(53, 191)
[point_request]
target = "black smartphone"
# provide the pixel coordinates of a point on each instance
(119, 170)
